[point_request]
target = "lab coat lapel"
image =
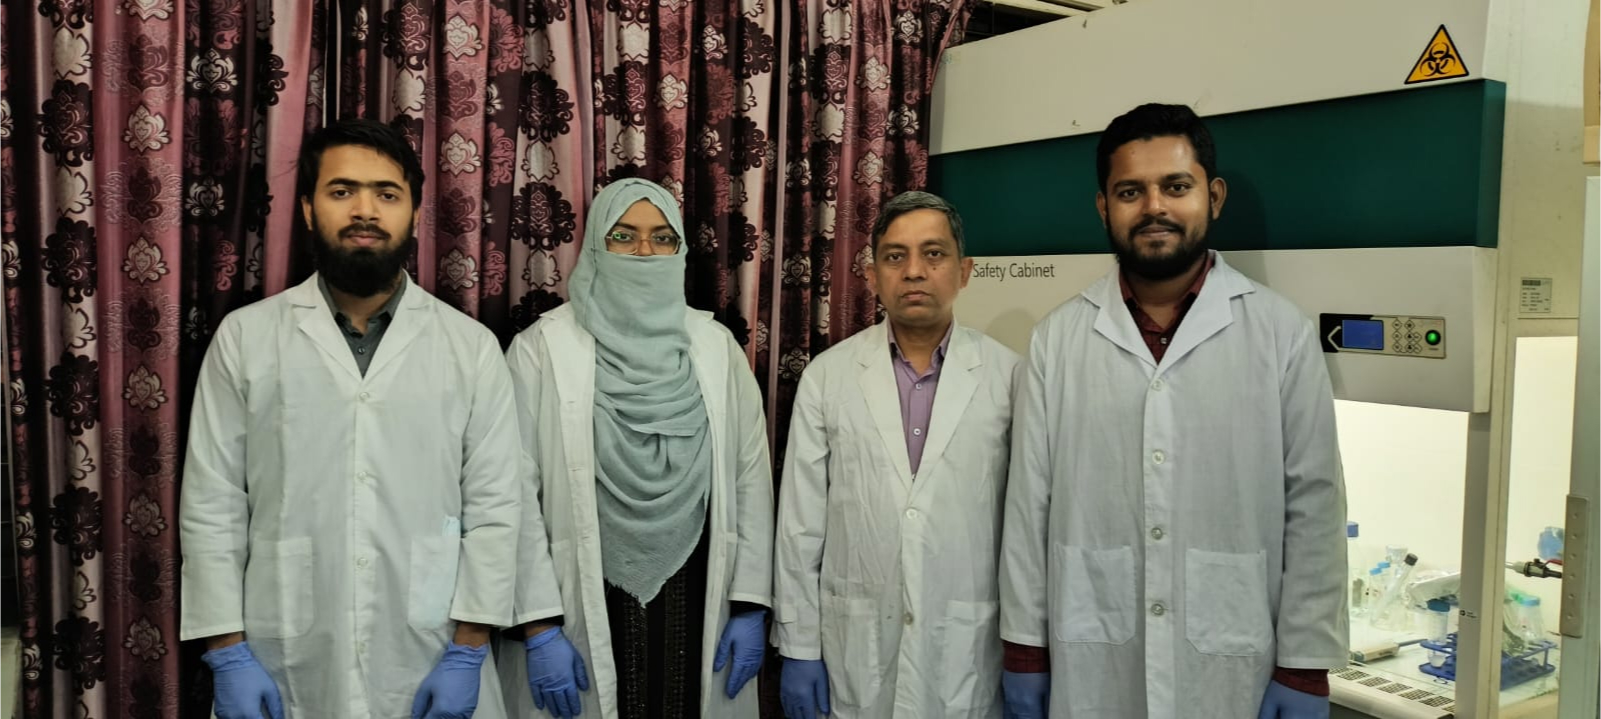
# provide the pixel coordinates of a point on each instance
(1114, 321)
(413, 315)
(958, 380)
(882, 394)
(1211, 312)
(315, 319)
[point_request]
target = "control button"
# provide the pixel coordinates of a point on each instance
(1432, 337)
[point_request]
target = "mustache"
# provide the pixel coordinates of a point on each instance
(363, 228)
(1149, 221)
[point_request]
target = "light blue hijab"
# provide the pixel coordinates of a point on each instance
(653, 454)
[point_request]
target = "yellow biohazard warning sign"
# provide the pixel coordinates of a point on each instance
(1440, 60)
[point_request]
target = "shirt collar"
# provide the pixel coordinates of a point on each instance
(388, 310)
(939, 352)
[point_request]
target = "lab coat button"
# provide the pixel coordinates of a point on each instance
(361, 562)
(1158, 610)
(1156, 385)
(911, 514)
(1158, 456)
(1157, 533)
(365, 396)
(908, 619)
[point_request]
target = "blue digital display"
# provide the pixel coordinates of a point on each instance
(1362, 335)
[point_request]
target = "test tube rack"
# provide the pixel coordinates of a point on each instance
(1532, 663)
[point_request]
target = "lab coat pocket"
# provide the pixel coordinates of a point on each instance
(279, 587)
(850, 647)
(433, 577)
(970, 654)
(1225, 597)
(1094, 594)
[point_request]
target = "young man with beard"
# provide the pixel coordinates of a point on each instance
(350, 500)
(1174, 541)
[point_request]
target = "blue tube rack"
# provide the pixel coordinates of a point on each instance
(1532, 663)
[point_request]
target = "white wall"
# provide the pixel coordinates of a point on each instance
(1404, 467)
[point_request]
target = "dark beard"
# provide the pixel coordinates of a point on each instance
(1160, 268)
(360, 272)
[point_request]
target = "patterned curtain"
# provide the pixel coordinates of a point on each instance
(144, 144)
(860, 76)
(148, 152)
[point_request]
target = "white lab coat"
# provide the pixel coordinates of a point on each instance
(1175, 531)
(553, 368)
(891, 579)
(342, 522)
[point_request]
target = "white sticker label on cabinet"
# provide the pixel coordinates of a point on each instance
(1535, 296)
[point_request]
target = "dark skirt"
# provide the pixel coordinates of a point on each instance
(657, 646)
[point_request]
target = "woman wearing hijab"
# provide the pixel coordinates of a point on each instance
(650, 465)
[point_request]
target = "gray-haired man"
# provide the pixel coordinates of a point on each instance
(888, 524)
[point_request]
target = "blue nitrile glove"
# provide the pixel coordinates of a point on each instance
(803, 688)
(1282, 702)
(450, 691)
(1028, 695)
(745, 642)
(555, 673)
(241, 685)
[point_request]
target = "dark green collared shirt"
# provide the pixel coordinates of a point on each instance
(364, 346)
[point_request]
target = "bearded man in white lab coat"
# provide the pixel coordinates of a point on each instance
(350, 503)
(1174, 542)
(890, 504)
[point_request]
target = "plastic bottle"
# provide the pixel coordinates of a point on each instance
(1375, 587)
(1356, 598)
(1438, 622)
(1390, 612)
(1530, 625)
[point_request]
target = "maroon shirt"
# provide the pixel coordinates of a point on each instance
(1157, 337)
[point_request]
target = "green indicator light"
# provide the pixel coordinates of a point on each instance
(1432, 337)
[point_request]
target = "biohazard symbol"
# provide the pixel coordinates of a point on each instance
(1440, 60)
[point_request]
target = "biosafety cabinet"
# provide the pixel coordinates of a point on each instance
(1410, 175)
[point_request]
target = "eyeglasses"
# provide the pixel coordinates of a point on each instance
(628, 241)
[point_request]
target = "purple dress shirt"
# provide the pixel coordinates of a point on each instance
(917, 395)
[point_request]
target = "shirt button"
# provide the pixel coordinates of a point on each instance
(1157, 385)
(1157, 533)
(361, 562)
(1164, 340)
(1158, 457)
(917, 431)
(1158, 610)
(919, 385)
(361, 350)
(908, 619)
